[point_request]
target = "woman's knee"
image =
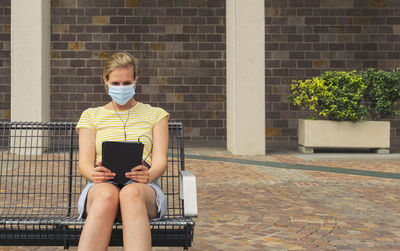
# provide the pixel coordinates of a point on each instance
(132, 192)
(104, 196)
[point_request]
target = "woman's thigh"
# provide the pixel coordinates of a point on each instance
(146, 193)
(102, 191)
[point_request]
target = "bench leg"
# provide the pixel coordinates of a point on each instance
(66, 245)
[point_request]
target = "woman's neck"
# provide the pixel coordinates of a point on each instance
(131, 103)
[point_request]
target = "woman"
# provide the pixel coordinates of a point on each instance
(140, 199)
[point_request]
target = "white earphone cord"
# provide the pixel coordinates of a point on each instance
(151, 145)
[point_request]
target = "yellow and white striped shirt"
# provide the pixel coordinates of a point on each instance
(109, 127)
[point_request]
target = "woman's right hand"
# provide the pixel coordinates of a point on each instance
(101, 174)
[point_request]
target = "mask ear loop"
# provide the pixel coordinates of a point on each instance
(151, 147)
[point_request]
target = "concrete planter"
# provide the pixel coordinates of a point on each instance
(317, 134)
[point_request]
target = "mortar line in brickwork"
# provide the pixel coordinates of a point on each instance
(327, 169)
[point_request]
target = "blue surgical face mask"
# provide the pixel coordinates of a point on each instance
(121, 94)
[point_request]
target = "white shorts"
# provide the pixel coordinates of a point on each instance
(161, 200)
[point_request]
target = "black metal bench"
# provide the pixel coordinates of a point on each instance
(40, 186)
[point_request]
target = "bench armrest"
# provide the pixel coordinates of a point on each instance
(187, 192)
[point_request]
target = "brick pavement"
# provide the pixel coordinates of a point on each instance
(250, 207)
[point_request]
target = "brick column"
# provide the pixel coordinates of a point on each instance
(30, 60)
(245, 76)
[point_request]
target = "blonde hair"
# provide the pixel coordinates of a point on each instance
(120, 59)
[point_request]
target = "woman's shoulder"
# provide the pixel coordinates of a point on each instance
(93, 112)
(149, 108)
(154, 113)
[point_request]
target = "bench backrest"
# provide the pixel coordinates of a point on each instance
(39, 170)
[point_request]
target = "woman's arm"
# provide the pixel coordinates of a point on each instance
(160, 149)
(87, 152)
(159, 156)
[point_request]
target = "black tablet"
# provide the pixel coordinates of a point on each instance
(121, 157)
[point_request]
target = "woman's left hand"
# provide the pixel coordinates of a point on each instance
(139, 173)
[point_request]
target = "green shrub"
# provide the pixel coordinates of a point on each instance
(334, 95)
(383, 92)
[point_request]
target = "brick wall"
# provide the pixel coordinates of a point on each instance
(5, 71)
(181, 48)
(180, 45)
(307, 37)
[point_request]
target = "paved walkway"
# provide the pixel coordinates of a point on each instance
(293, 201)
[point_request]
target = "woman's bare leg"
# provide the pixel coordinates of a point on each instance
(138, 204)
(101, 208)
